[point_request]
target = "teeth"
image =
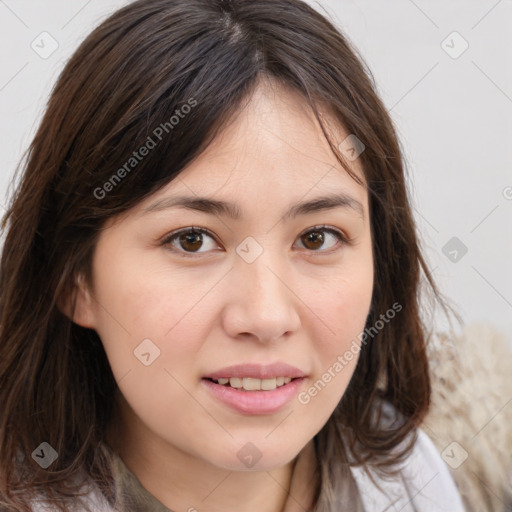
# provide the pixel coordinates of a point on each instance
(235, 382)
(251, 384)
(268, 384)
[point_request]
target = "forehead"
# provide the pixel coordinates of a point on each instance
(273, 144)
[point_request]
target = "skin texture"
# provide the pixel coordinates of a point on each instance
(299, 302)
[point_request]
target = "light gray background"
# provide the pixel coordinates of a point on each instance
(453, 115)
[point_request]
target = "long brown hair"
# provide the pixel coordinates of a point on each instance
(128, 77)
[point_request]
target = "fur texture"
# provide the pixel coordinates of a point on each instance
(472, 407)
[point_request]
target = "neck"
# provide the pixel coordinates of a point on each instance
(183, 482)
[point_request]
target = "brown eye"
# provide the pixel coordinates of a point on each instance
(321, 238)
(313, 240)
(189, 241)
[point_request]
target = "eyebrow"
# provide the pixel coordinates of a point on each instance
(232, 210)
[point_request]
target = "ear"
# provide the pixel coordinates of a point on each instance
(78, 304)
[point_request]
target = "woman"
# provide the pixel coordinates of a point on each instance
(209, 283)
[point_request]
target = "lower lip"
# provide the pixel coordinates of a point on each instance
(255, 402)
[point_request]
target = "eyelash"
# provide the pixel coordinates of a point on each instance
(167, 240)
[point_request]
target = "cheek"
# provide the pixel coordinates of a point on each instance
(347, 316)
(349, 310)
(137, 302)
(345, 302)
(343, 307)
(144, 324)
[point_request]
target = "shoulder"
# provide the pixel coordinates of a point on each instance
(423, 484)
(93, 501)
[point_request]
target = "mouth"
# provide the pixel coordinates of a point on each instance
(251, 383)
(256, 401)
(253, 389)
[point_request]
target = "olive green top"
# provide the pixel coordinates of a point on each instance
(133, 497)
(422, 484)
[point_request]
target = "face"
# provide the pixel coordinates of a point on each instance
(185, 297)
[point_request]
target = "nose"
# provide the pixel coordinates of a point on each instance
(263, 304)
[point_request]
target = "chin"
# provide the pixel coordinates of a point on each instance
(258, 455)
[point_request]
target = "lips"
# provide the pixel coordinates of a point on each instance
(254, 402)
(256, 371)
(255, 389)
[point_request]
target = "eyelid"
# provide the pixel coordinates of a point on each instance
(341, 235)
(168, 238)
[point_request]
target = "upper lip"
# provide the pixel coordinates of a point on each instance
(257, 371)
